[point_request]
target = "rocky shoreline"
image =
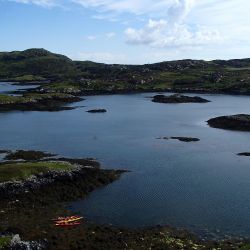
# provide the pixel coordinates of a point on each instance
(26, 209)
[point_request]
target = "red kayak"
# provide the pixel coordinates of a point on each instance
(67, 224)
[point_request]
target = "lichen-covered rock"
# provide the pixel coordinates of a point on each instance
(18, 244)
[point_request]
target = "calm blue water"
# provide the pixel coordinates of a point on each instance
(6, 88)
(202, 186)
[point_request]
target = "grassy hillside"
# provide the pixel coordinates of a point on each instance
(36, 64)
(65, 75)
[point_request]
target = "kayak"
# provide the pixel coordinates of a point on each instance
(66, 224)
(67, 219)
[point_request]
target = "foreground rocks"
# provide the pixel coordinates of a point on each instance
(239, 122)
(177, 98)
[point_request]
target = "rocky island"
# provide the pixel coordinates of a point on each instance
(244, 154)
(177, 98)
(182, 139)
(97, 111)
(240, 122)
(37, 102)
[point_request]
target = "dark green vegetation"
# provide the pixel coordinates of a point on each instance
(29, 211)
(60, 74)
(239, 122)
(4, 241)
(178, 99)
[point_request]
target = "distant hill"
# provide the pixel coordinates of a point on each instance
(232, 76)
(37, 62)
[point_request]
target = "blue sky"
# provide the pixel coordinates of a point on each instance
(128, 31)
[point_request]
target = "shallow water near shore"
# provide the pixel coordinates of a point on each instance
(8, 88)
(202, 186)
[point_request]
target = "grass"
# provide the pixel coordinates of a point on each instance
(62, 86)
(38, 96)
(4, 241)
(29, 78)
(30, 97)
(22, 171)
(6, 99)
(246, 247)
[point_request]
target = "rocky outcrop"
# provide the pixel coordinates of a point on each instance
(18, 244)
(97, 111)
(30, 155)
(37, 181)
(177, 98)
(240, 122)
(186, 139)
(182, 139)
(244, 154)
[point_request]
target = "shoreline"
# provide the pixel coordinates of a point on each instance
(129, 91)
(28, 212)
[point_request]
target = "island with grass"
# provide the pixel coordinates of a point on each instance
(37, 102)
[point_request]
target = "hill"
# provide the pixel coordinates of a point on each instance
(64, 75)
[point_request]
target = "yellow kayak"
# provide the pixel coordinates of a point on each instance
(68, 219)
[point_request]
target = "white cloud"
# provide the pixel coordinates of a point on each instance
(137, 7)
(106, 36)
(129, 6)
(178, 11)
(91, 37)
(110, 35)
(173, 31)
(43, 3)
(162, 34)
(208, 28)
(106, 57)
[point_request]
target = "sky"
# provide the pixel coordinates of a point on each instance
(128, 31)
